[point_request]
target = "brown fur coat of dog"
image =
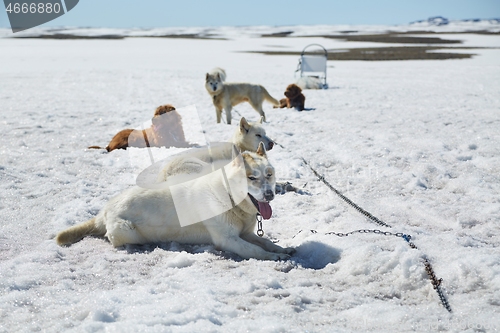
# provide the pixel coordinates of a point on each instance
(166, 131)
(294, 98)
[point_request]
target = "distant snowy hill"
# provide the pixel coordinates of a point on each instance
(435, 24)
(437, 21)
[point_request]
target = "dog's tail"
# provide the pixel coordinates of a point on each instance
(77, 232)
(220, 72)
(98, 147)
(270, 98)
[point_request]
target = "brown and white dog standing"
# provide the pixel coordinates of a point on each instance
(294, 98)
(166, 131)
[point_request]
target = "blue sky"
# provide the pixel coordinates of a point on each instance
(167, 13)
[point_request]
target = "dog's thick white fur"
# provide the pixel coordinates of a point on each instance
(220, 72)
(247, 137)
(139, 215)
(310, 82)
(226, 95)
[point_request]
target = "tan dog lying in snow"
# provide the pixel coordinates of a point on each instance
(166, 131)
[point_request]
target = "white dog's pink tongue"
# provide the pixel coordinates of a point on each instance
(265, 210)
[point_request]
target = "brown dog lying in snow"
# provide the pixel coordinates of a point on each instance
(165, 131)
(294, 98)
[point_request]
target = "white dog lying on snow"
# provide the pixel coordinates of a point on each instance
(140, 215)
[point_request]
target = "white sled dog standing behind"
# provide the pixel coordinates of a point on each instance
(226, 95)
(247, 137)
(139, 215)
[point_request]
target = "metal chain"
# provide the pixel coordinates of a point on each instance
(436, 283)
(360, 231)
(366, 231)
(260, 231)
(346, 199)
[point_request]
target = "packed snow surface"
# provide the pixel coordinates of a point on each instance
(415, 143)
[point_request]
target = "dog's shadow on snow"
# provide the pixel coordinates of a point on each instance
(177, 247)
(315, 255)
(309, 255)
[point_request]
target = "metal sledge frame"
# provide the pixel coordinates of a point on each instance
(313, 65)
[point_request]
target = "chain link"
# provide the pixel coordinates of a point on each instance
(260, 231)
(362, 231)
(436, 283)
(366, 231)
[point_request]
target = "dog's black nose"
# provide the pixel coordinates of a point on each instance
(269, 195)
(270, 146)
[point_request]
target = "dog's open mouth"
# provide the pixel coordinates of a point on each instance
(263, 207)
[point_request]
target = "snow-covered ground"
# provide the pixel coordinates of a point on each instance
(416, 143)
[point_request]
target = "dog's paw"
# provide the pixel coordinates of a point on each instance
(286, 250)
(283, 187)
(280, 256)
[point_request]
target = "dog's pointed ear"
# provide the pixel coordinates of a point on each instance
(206, 76)
(244, 126)
(238, 161)
(261, 120)
(235, 151)
(261, 150)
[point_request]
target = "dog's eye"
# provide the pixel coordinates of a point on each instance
(269, 175)
(252, 178)
(258, 135)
